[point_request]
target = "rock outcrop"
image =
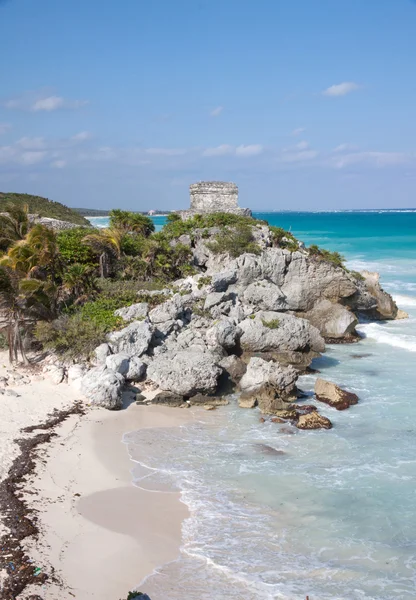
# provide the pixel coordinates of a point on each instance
(313, 420)
(328, 392)
(103, 387)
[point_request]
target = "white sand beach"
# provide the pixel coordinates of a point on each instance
(100, 536)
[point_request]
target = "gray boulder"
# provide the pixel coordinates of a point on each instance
(185, 373)
(168, 311)
(332, 320)
(103, 388)
(75, 374)
(213, 299)
(55, 374)
(234, 367)
(137, 369)
(224, 333)
(119, 363)
(372, 299)
(260, 372)
(279, 332)
(134, 312)
(265, 295)
(133, 340)
(101, 353)
(220, 281)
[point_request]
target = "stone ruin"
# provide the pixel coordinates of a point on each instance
(212, 197)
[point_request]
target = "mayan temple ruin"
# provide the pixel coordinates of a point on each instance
(213, 196)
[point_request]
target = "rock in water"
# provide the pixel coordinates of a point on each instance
(185, 373)
(313, 421)
(328, 392)
(269, 384)
(103, 388)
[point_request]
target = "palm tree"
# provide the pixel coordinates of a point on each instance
(36, 256)
(107, 242)
(22, 301)
(14, 224)
(131, 222)
(78, 279)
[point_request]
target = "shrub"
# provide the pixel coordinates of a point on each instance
(70, 336)
(334, 258)
(235, 241)
(175, 227)
(131, 222)
(205, 280)
(273, 324)
(357, 275)
(72, 249)
(283, 239)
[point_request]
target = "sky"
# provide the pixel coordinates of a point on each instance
(305, 104)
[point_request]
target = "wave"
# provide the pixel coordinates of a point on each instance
(404, 300)
(379, 334)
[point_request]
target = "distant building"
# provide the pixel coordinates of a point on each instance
(212, 197)
(151, 212)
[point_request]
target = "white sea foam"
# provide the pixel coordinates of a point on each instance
(380, 334)
(404, 300)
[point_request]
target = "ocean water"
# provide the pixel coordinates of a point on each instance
(276, 513)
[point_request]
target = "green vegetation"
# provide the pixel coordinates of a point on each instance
(357, 275)
(272, 324)
(71, 247)
(175, 227)
(334, 258)
(235, 241)
(42, 206)
(204, 280)
(284, 239)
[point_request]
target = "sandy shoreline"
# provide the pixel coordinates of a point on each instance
(100, 536)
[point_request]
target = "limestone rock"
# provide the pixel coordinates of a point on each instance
(386, 307)
(168, 311)
(133, 340)
(234, 367)
(224, 333)
(169, 399)
(271, 331)
(134, 312)
(186, 372)
(332, 320)
(103, 387)
(220, 281)
(203, 400)
(55, 374)
(101, 353)
(75, 374)
(261, 373)
(313, 420)
(265, 295)
(328, 392)
(119, 363)
(213, 299)
(247, 401)
(137, 369)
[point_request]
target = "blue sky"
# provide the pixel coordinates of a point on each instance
(305, 104)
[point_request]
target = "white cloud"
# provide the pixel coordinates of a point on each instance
(344, 148)
(4, 128)
(341, 89)
(374, 159)
(302, 145)
(166, 151)
(298, 131)
(42, 101)
(251, 150)
(58, 164)
(301, 156)
(48, 104)
(216, 111)
(31, 158)
(28, 143)
(227, 149)
(82, 136)
(221, 150)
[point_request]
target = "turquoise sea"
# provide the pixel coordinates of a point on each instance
(334, 515)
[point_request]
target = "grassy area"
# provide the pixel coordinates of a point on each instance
(43, 207)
